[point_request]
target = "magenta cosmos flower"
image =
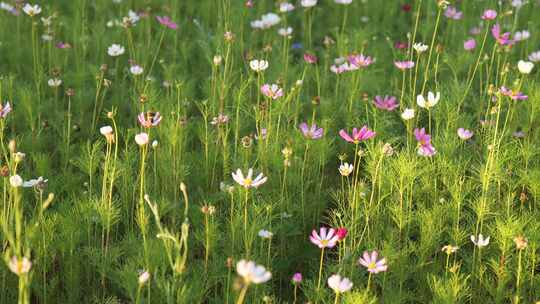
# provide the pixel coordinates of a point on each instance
(357, 135)
(4, 110)
(359, 61)
(149, 119)
(424, 140)
(310, 58)
(165, 20)
(342, 233)
(272, 91)
(502, 39)
(370, 262)
(514, 95)
(404, 65)
(387, 103)
(297, 278)
(489, 14)
(452, 13)
(469, 44)
(464, 133)
(326, 238)
(311, 132)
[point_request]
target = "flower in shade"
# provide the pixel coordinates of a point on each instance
(252, 273)
(20, 266)
(149, 119)
(136, 70)
(514, 95)
(265, 234)
(311, 132)
(535, 56)
(525, 67)
(346, 169)
(258, 65)
(522, 35)
(501, 38)
(407, 114)
(521, 242)
(469, 44)
(285, 7)
(339, 284)
(449, 249)
(272, 91)
(4, 110)
(39, 183)
(32, 10)
(452, 13)
(387, 103)
(404, 65)
(464, 133)
(297, 278)
(480, 241)
(144, 276)
(357, 135)
(419, 47)
(431, 101)
(115, 50)
(489, 14)
(285, 31)
(357, 61)
(342, 233)
(369, 260)
(166, 21)
(310, 58)
(326, 238)
(142, 139)
(308, 3)
(221, 119)
(248, 181)
(400, 45)
(54, 82)
(424, 143)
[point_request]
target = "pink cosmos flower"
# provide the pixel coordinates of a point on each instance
(464, 133)
(342, 233)
(424, 140)
(370, 262)
(387, 103)
(310, 58)
(149, 119)
(469, 44)
(357, 135)
(326, 238)
(502, 39)
(272, 91)
(452, 13)
(63, 45)
(165, 20)
(4, 110)
(311, 132)
(359, 61)
(339, 69)
(400, 45)
(297, 278)
(514, 95)
(404, 65)
(489, 14)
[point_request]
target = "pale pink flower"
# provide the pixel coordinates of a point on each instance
(404, 65)
(166, 21)
(357, 135)
(272, 91)
(326, 238)
(370, 262)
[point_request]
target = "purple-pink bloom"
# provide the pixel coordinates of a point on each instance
(165, 20)
(502, 39)
(310, 58)
(514, 95)
(149, 119)
(339, 69)
(464, 133)
(425, 148)
(311, 132)
(469, 44)
(452, 13)
(370, 262)
(404, 65)
(63, 45)
(359, 61)
(387, 103)
(326, 238)
(297, 278)
(357, 135)
(4, 110)
(272, 91)
(489, 14)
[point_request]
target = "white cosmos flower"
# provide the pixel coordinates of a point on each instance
(258, 65)
(141, 139)
(285, 7)
(136, 70)
(34, 182)
(346, 169)
(106, 130)
(21, 266)
(308, 3)
(480, 241)
(115, 50)
(32, 10)
(266, 21)
(522, 35)
(54, 82)
(15, 181)
(248, 181)
(419, 47)
(345, 2)
(525, 67)
(339, 284)
(252, 273)
(432, 100)
(535, 56)
(285, 31)
(407, 114)
(144, 277)
(265, 234)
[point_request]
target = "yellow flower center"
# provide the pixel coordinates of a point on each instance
(248, 182)
(324, 242)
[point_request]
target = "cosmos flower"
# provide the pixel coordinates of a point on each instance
(535, 56)
(452, 13)
(514, 95)
(308, 3)
(342, 233)
(252, 273)
(54, 82)
(489, 14)
(258, 65)
(20, 266)
(525, 67)
(407, 114)
(522, 35)
(265, 234)
(136, 70)
(221, 119)
(431, 101)
(326, 238)
(424, 143)
(388, 103)
(15, 181)
(419, 47)
(149, 119)
(464, 133)
(310, 58)
(357, 135)
(521, 242)
(357, 61)
(166, 21)
(272, 91)
(142, 139)
(39, 182)
(266, 21)
(469, 44)
(285, 7)
(311, 132)
(285, 31)
(248, 181)
(344, 2)
(346, 169)
(480, 241)
(32, 10)
(502, 39)
(297, 278)
(404, 65)
(449, 249)
(115, 50)
(339, 284)
(107, 131)
(370, 262)
(5, 110)
(144, 276)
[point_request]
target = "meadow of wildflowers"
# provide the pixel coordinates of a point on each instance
(270, 151)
